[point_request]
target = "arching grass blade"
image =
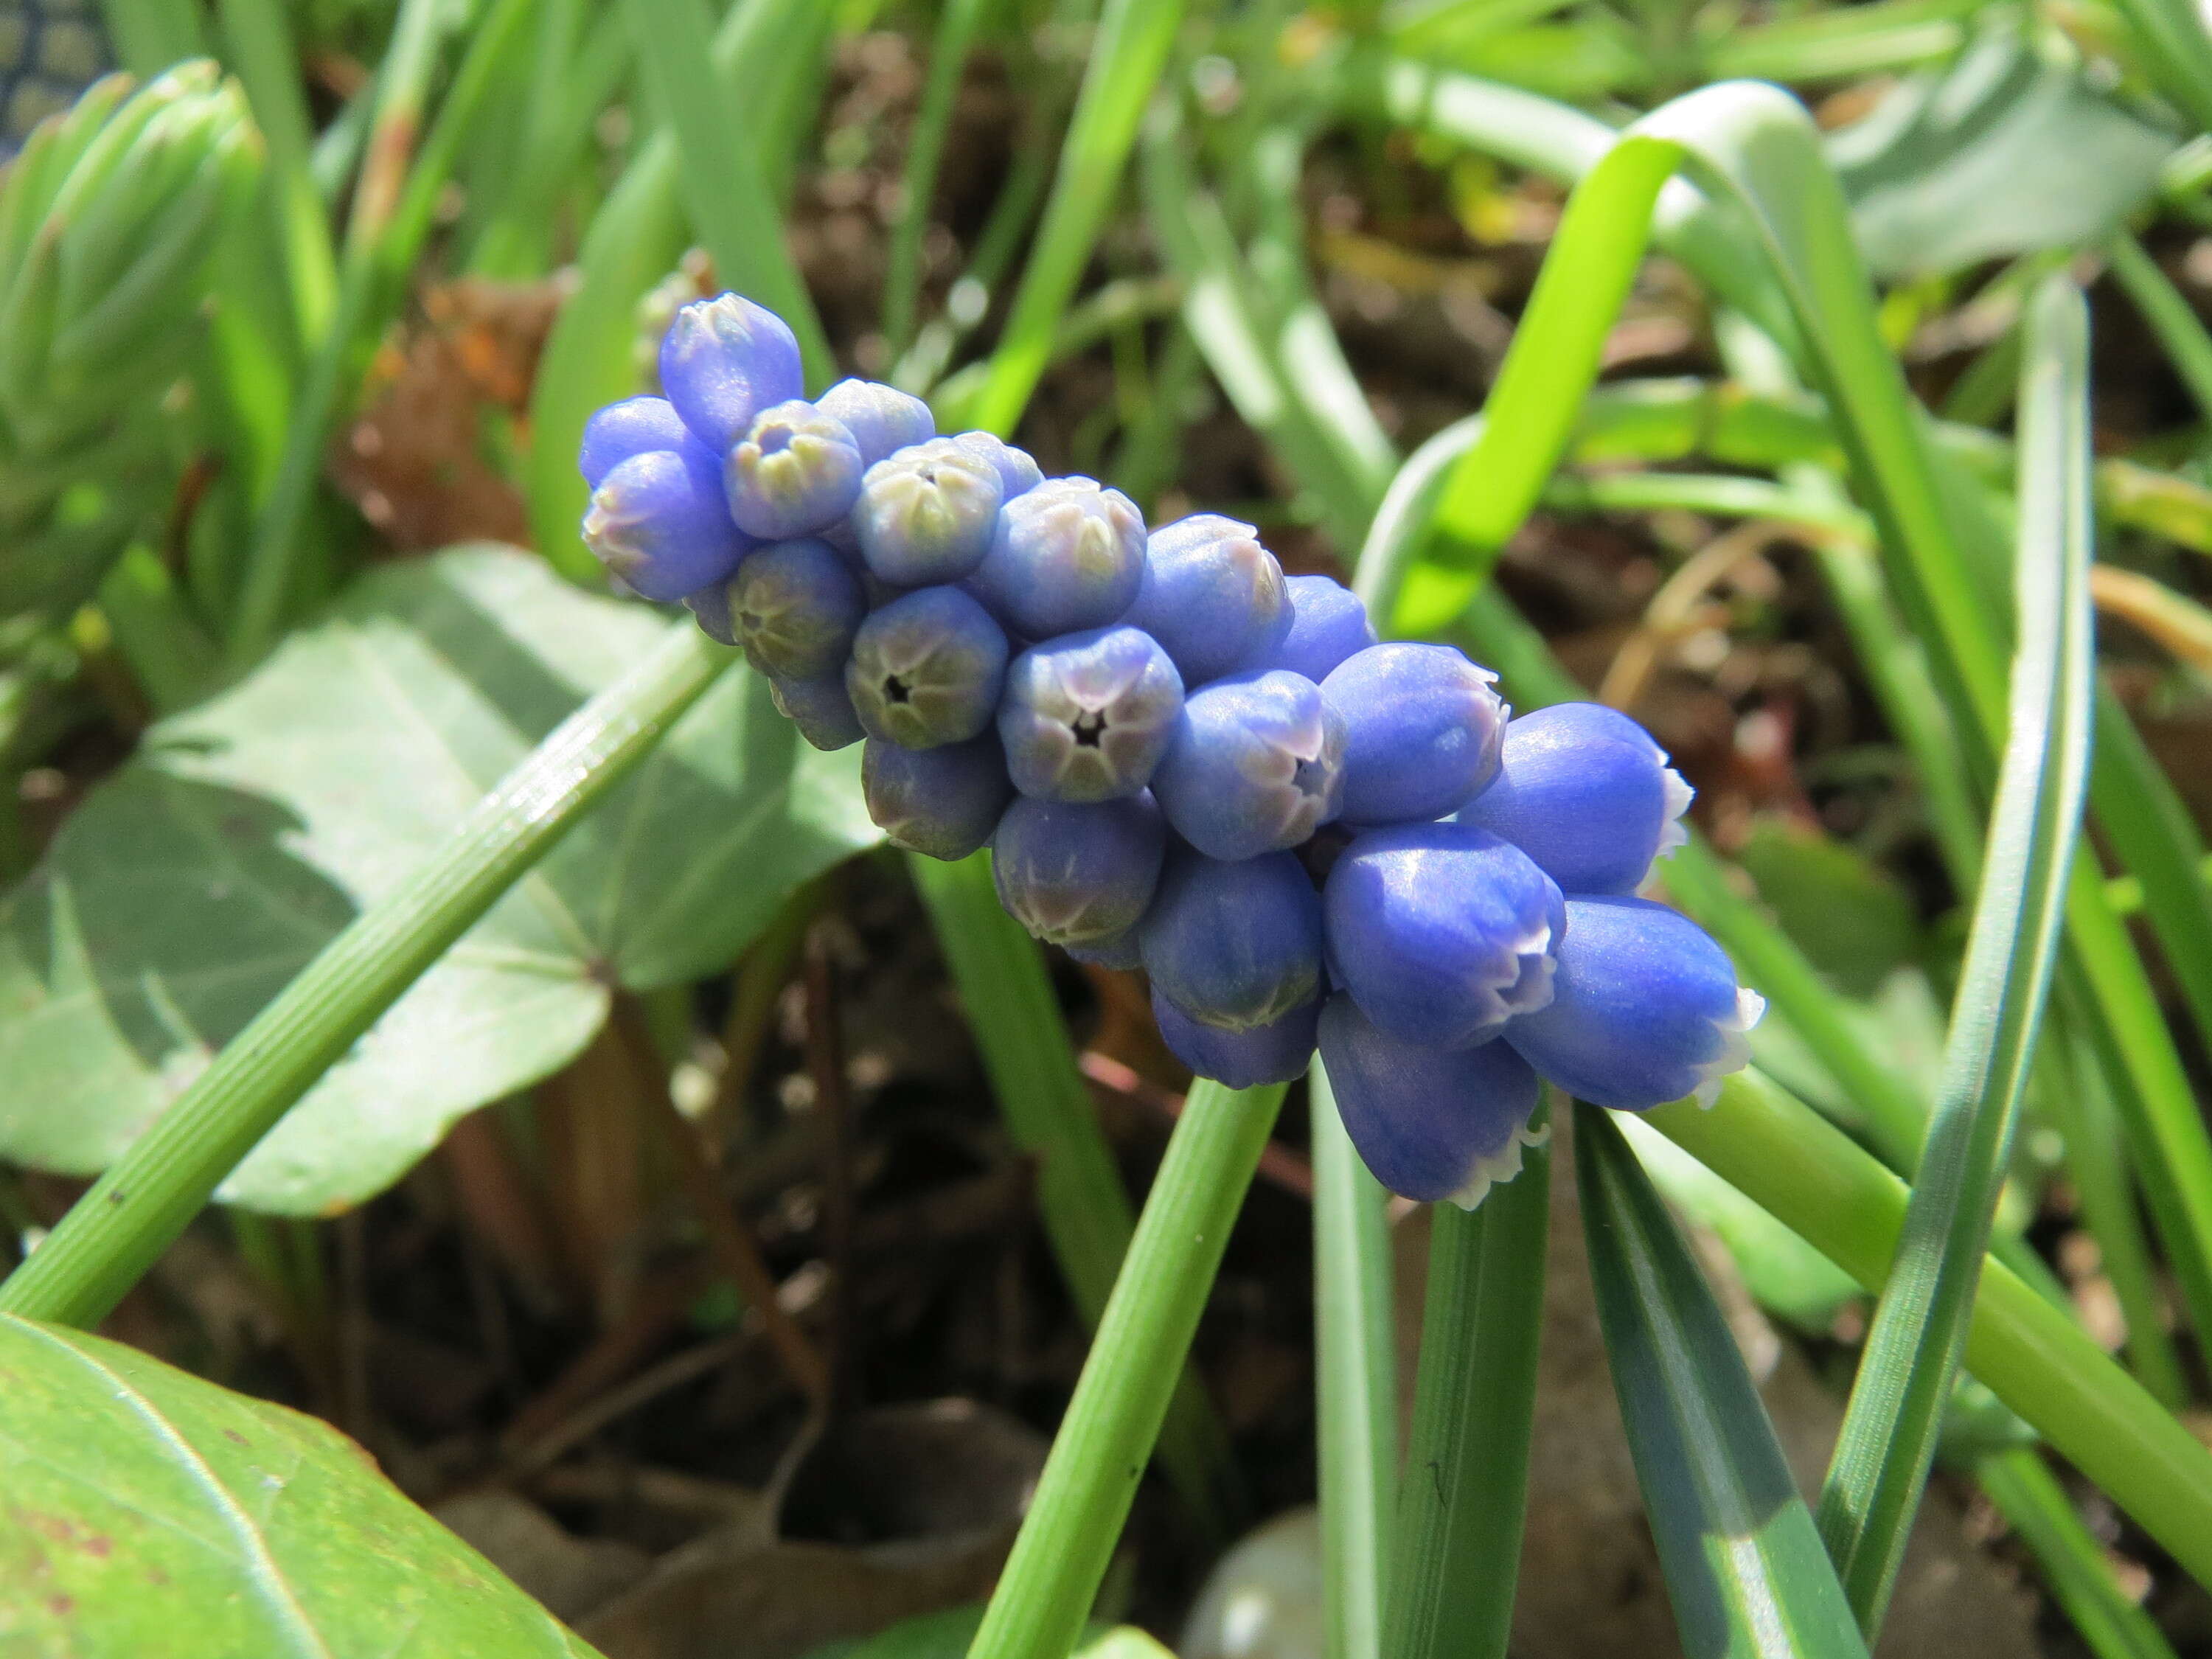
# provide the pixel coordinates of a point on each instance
(1887, 1442)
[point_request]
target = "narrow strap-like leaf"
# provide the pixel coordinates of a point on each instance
(1742, 1558)
(1888, 1437)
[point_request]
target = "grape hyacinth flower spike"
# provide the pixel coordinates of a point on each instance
(1183, 761)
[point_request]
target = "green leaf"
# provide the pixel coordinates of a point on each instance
(1784, 1275)
(150, 1511)
(2029, 1351)
(1848, 916)
(1743, 1562)
(1919, 1333)
(2003, 152)
(946, 1635)
(195, 884)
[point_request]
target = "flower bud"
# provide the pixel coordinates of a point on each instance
(1329, 626)
(1583, 791)
(1433, 1124)
(1116, 950)
(1211, 596)
(928, 668)
(1088, 717)
(722, 362)
(1065, 557)
(1277, 1052)
(926, 513)
(635, 426)
(795, 607)
(881, 419)
(795, 470)
(1234, 945)
(1440, 932)
(821, 708)
(1645, 1008)
(106, 220)
(1018, 473)
(943, 802)
(1255, 766)
(1071, 872)
(659, 522)
(1421, 731)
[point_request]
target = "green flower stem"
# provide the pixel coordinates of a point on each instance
(1083, 1497)
(1840, 1200)
(1463, 1499)
(1029, 1055)
(1127, 56)
(1355, 1366)
(148, 1195)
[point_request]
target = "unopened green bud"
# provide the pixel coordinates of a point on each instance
(106, 222)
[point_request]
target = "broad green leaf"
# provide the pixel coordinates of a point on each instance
(191, 886)
(1743, 1562)
(151, 1512)
(2005, 151)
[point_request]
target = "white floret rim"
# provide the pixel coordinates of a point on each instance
(1528, 986)
(1735, 1054)
(1495, 1169)
(1674, 833)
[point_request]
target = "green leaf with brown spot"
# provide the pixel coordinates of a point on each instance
(145, 1512)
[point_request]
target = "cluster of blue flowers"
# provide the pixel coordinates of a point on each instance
(1183, 760)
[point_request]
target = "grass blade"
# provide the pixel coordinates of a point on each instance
(116, 1230)
(635, 238)
(1887, 1442)
(1127, 56)
(1355, 1369)
(1818, 1182)
(2074, 1563)
(1579, 290)
(401, 85)
(2187, 346)
(1029, 1058)
(1083, 1497)
(720, 171)
(1743, 1561)
(956, 28)
(1464, 1496)
(258, 43)
(149, 35)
